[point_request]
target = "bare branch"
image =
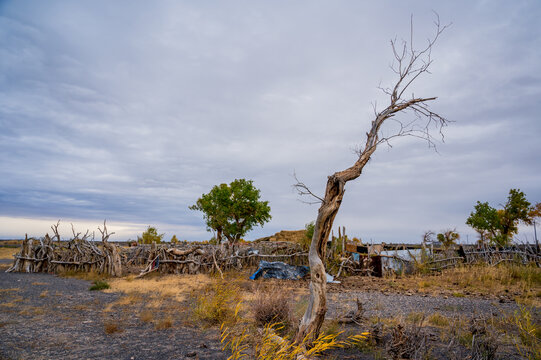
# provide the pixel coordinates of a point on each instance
(75, 235)
(104, 234)
(302, 189)
(86, 235)
(55, 231)
(409, 65)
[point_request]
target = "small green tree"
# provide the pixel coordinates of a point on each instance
(499, 226)
(233, 210)
(174, 239)
(149, 236)
(309, 232)
(448, 238)
(485, 221)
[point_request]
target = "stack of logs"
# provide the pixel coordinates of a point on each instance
(198, 258)
(77, 254)
(83, 255)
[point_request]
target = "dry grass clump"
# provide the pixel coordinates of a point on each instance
(13, 303)
(218, 302)
(272, 306)
(146, 316)
(415, 317)
(9, 290)
(125, 300)
(408, 342)
(33, 311)
(271, 346)
(439, 320)
(111, 327)
(164, 323)
(528, 341)
(99, 285)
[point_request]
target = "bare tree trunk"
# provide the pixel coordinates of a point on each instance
(317, 307)
(409, 65)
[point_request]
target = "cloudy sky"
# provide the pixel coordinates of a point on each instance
(130, 110)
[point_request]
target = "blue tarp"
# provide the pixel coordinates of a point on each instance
(279, 270)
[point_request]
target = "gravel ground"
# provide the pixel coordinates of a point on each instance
(48, 317)
(391, 305)
(44, 316)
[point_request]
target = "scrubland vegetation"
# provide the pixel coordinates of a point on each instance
(258, 319)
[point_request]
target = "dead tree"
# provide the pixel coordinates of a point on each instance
(408, 64)
(113, 262)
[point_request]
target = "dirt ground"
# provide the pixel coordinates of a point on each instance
(48, 317)
(44, 316)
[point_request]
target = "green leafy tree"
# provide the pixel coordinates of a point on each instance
(448, 238)
(174, 239)
(149, 236)
(308, 234)
(233, 210)
(499, 226)
(485, 221)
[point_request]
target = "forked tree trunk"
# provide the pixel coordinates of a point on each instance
(409, 65)
(317, 307)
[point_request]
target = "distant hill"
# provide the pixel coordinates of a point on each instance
(295, 236)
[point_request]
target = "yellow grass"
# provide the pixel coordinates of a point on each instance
(177, 287)
(519, 282)
(9, 290)
(146, 316)
(126, 300)
(7, 252)
(15, 302)
(33, 311)
(163, 324)
(155, 290)
(437, 319)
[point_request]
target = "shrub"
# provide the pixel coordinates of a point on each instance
(146, 316)
(272, 306)
(100, 285)
(150, 236)
(111, 327)
(408, 342)
(273, 347)
(309, 232)
(448, 238)
(218, 303)
(484, 340)
(529, 333)
(438, 320)
(164, 324)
